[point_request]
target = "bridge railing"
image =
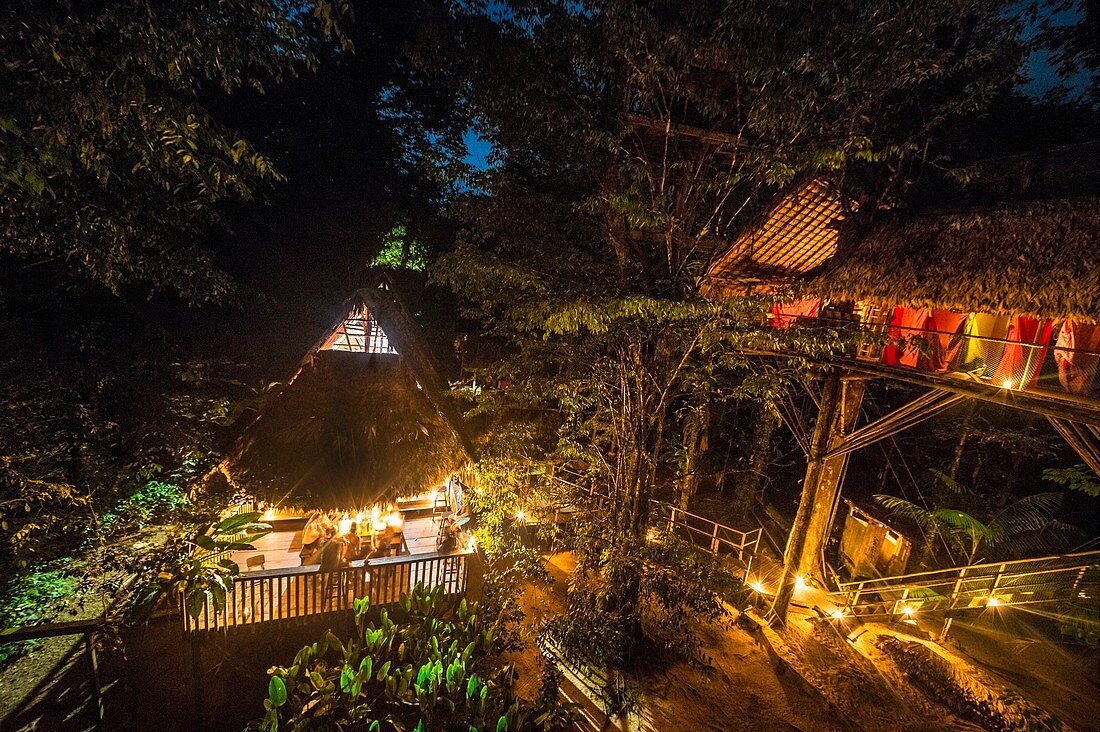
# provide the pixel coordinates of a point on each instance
(1021, 582)
(302, 592)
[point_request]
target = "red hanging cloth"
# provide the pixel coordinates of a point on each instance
(945, 330)
(904, 324)
(783, 316)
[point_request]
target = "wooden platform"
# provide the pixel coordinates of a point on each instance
(280, 548)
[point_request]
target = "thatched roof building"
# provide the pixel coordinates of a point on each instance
(1036, 258)
(363, 418)
(792, 238)
(1022, 237)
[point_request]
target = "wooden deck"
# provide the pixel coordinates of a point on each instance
(280, 548)
(288, 593)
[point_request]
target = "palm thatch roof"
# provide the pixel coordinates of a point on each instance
(357, 422)
(1039, 258)
(793, 237)
(1023, 236)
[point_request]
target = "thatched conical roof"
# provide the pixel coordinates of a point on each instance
(351, 427)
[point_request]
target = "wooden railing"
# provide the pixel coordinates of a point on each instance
(302, 592)
(1009, 365)
(718, 538)
(1067, 577)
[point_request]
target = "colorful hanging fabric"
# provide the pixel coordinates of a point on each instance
(1023, 355)
(1077, 353)
(905, 324)
(983, 345)
(945, 329)
(784, 316)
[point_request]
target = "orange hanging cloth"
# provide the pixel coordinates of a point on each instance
(1023, 355)
(945, 336)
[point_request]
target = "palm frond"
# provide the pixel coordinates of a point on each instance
(952, 486)
(902, 508)
(1031, 513)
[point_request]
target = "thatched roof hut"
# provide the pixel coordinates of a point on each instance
(363, 418)
(1037, 258)
(1022, 237)
(794, 236)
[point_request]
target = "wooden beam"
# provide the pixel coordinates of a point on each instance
(1082, 438)
(713, 136)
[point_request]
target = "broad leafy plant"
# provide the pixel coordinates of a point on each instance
(421, 669)
(1027, 526)
(196, 565)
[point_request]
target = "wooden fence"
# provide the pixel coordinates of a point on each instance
(718, 538)
(301, 592)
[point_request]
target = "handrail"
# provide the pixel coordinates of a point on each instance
(302, 592)
(953, 571)
(749, 541)
(86, 628)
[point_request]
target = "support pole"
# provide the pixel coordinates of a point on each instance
(830, 480)
(796, 540)
(93, 668)
(840, 402)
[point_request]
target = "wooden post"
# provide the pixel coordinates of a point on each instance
(93, 666)
(797, 539)
(830, 479)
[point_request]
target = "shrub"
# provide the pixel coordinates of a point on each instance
(426, 670)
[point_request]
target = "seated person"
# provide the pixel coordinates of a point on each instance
(312, 534)
(353, 545)
(447, 538)
(332, 553)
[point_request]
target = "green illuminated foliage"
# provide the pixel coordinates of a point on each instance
(421, 665)
(398, 252)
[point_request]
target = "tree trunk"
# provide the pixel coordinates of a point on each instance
(840, 402)
(696, 444)
(747, 482)
(965, 431)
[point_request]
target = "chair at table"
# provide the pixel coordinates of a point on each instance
(334, 590)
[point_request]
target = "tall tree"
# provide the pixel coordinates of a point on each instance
(111, 163)
(633, 138)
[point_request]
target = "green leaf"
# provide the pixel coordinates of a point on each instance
(276, 691)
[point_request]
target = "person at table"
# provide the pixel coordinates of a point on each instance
(312, 536)
(332, 552)
(353, 545)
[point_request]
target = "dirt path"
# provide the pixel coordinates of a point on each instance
(807, 677)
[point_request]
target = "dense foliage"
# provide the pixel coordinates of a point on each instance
(110, 160)
(632, 141)
(427, 667)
